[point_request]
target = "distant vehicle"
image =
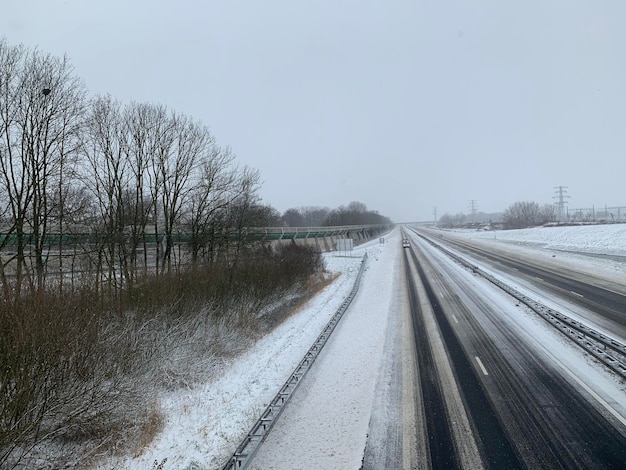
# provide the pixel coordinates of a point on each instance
(406, 243)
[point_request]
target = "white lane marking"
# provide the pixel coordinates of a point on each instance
(538, 278)
(576, 293)
(609, 408)
(615, 292)
(482, 367)
(454, 318)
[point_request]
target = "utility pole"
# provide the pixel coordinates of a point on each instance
(473, 207)
(435, 214)
(561, 195)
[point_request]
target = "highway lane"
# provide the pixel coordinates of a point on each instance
(492, 445)
(419, 384)
(547, 418)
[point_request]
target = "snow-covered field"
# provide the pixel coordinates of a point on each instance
(205, 423)
(593, 239)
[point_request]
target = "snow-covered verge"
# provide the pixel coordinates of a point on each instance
(205, 422)
(326, 423)
(593, 239)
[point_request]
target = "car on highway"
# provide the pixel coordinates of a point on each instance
(406, 243)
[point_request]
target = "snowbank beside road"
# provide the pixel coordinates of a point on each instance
(594, 239)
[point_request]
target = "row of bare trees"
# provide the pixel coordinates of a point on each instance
(520, 214)
(355, 213)
(116, 184)
(312, 216)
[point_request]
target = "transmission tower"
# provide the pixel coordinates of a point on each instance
(561, 196)
(473, 207)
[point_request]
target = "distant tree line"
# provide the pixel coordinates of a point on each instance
(517, 215)
(355, 213)
(468, 220)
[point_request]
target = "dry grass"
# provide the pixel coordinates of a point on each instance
(150, 425)
(316, 284)
(288, 306)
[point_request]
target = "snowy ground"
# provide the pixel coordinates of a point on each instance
(205, 423)
(593, 239)
(326, 423)
(594, 250)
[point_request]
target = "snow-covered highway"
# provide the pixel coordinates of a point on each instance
(365, 401)
(551, 412)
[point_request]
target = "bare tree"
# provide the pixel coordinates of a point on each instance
(41, 118)
(14, 185)
(357, 207)
(141, 124)
(548, 213)
(314, 216)
(159, 130)
(175, 162)
(107, 178)
(521, 215)
(356, 213)
(293, 218)
(242, 206)
(262, 215)
(215, 190)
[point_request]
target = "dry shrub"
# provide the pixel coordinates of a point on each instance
(55, 385)
(76, 366)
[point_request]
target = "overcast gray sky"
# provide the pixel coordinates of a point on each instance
(402, 105)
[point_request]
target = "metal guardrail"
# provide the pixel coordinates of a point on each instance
(248, 448)
(609, 351)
